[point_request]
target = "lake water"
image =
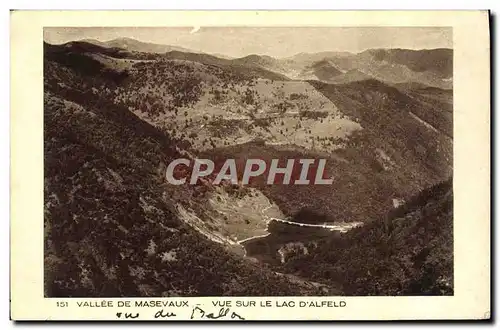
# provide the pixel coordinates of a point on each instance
(266, 248)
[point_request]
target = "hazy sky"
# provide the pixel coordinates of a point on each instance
(276, 42)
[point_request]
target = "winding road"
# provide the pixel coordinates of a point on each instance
(343, 227)
(338, 227)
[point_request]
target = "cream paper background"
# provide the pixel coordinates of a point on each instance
(471, 164)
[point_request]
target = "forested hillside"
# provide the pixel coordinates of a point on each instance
(409, 252)
(114, 118)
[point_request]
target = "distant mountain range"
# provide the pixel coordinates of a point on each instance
(137, 46)
(116, 113)
(433, 67)
(394, 66)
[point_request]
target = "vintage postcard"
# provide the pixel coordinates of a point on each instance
(250, 165)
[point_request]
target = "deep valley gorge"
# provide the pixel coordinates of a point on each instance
(117, 113)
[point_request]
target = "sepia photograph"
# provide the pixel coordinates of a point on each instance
(248, 161)
(250, 165)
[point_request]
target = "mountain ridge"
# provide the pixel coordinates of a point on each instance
(114, 119)
(432, 67)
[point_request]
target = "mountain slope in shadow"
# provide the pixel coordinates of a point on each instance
(410, 252)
